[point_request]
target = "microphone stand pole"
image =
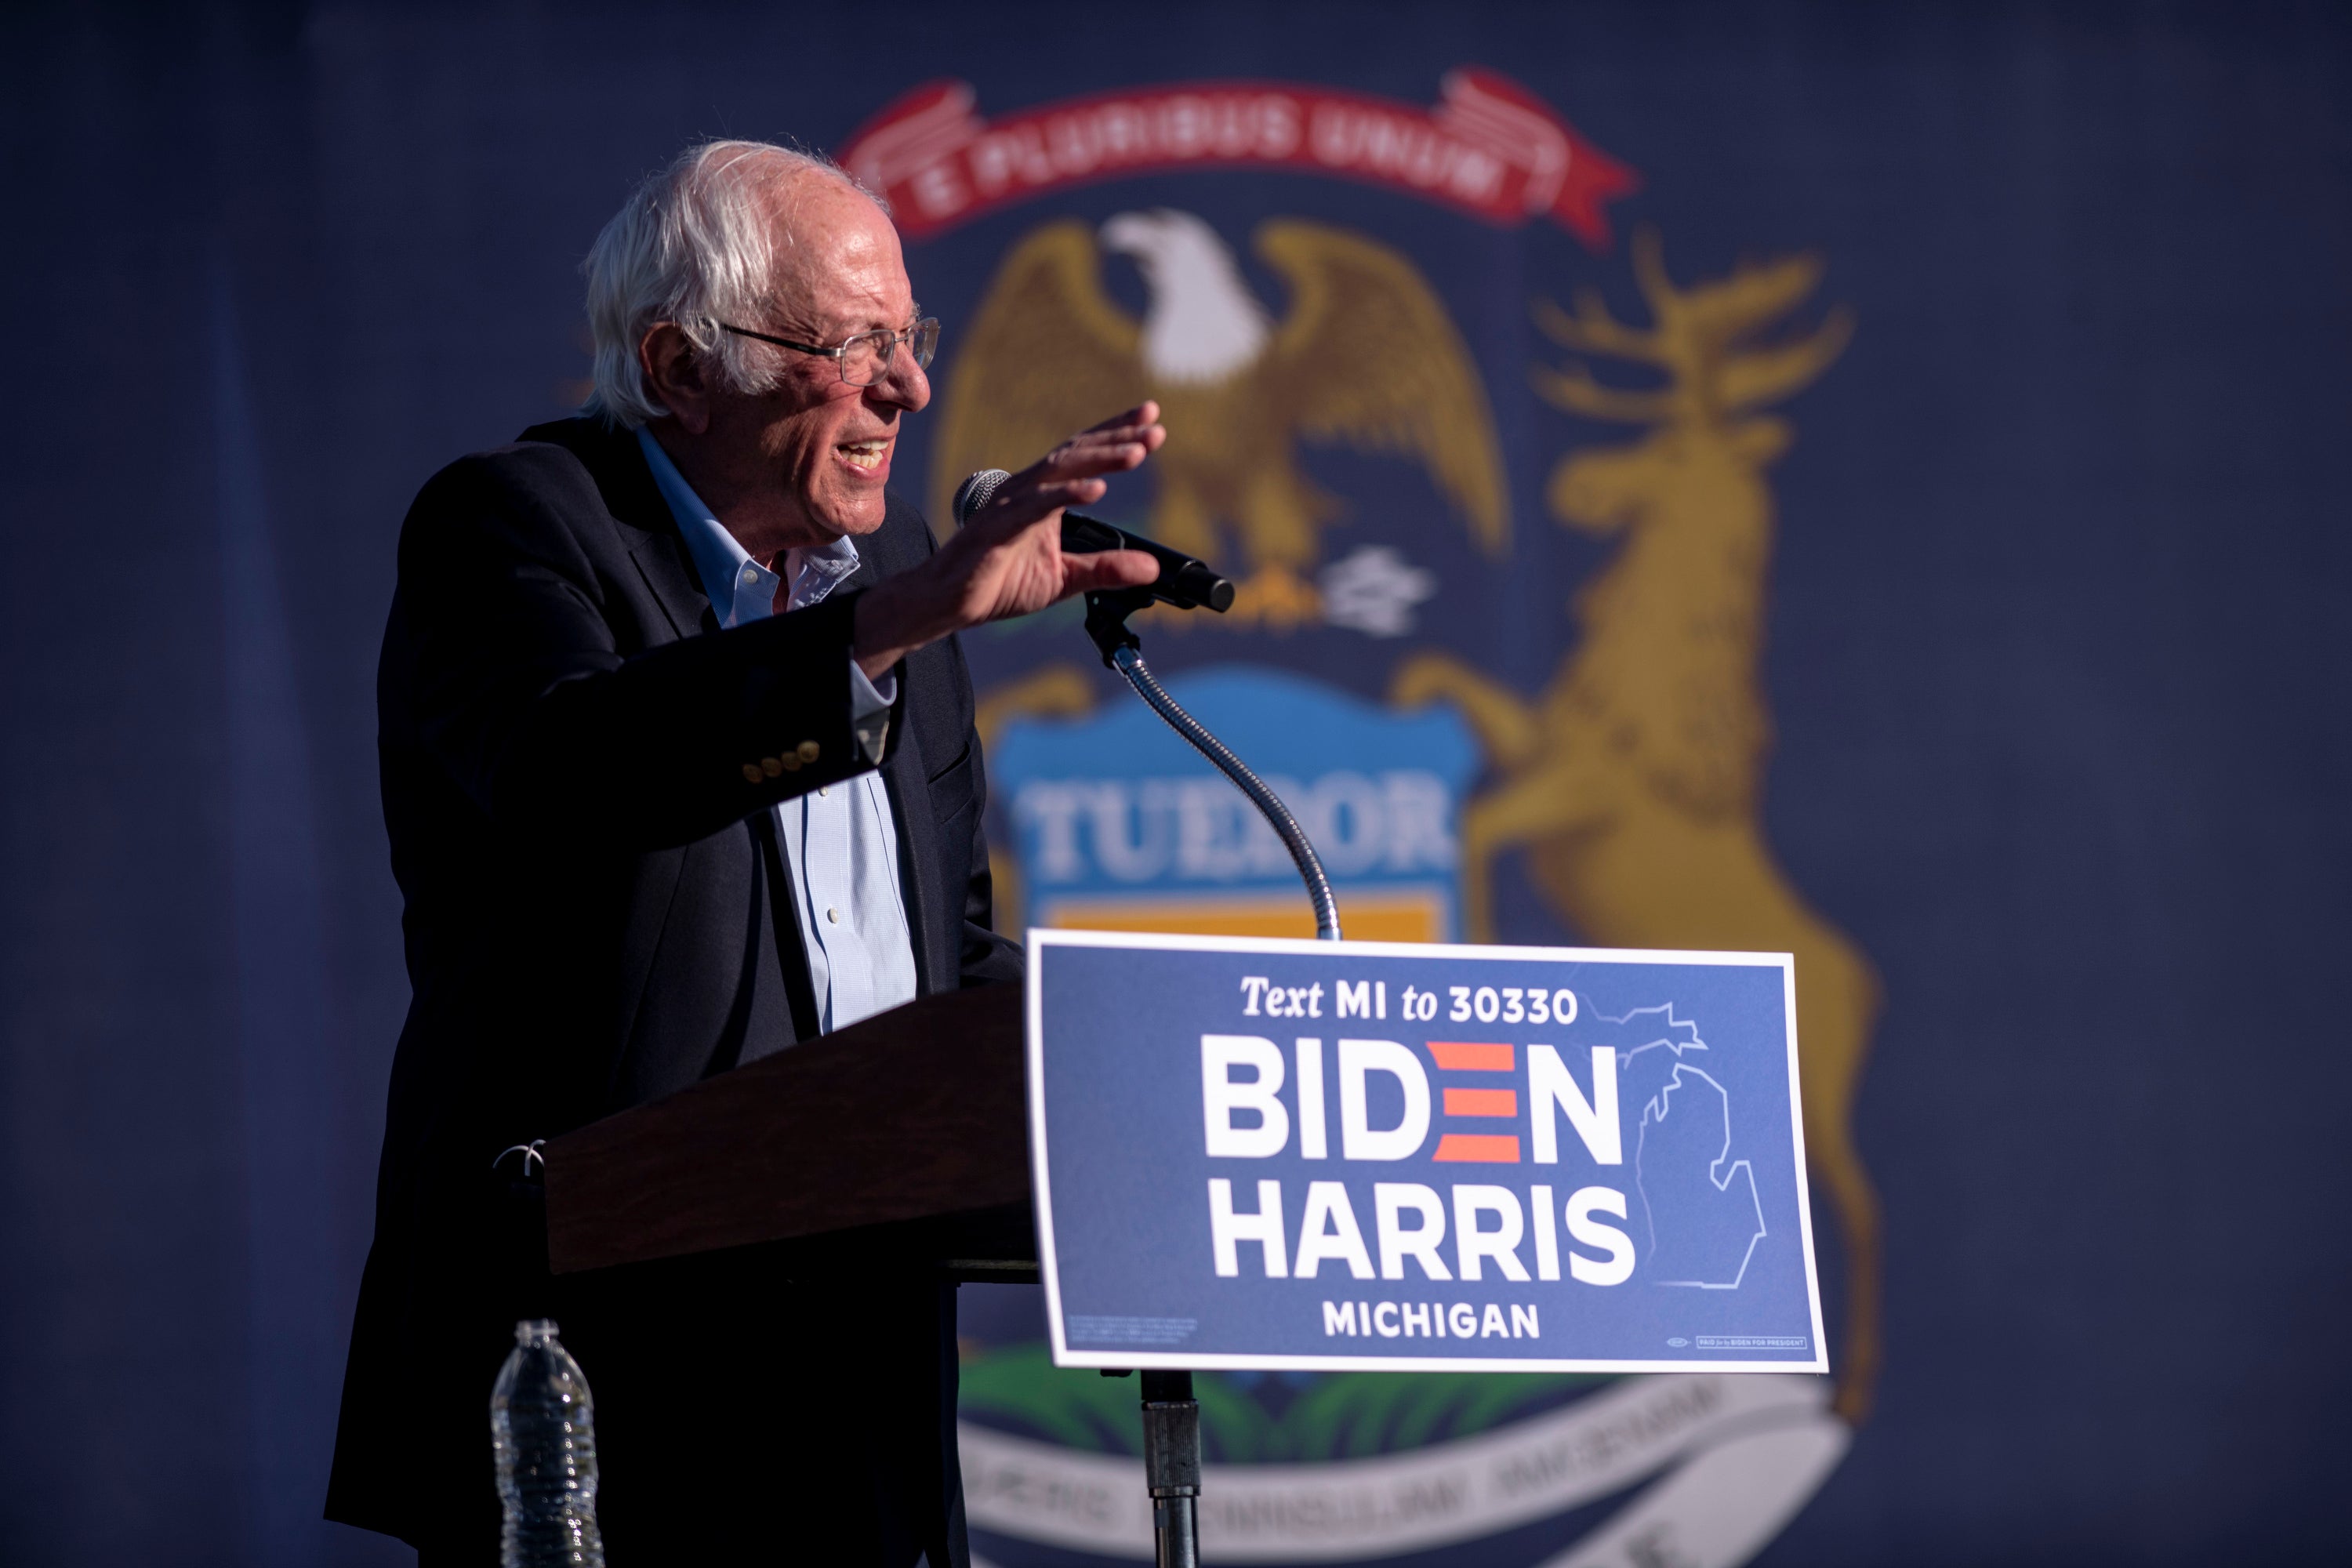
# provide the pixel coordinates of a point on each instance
(1172, 1416)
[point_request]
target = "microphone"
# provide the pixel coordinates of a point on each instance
(1186, 581)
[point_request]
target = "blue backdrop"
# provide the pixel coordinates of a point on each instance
(2055, 664)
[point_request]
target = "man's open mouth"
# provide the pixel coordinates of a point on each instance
(866, 455)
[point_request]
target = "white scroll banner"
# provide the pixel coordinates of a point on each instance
(1743, 1453)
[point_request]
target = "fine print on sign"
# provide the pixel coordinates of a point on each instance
(1279, 1155)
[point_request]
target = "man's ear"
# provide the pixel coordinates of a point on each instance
(674, 375)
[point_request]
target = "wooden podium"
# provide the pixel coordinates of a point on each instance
(900, 1139)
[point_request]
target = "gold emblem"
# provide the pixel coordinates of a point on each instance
(1633, 783)
(1366, 356)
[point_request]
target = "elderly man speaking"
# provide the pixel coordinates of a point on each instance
(678, 769)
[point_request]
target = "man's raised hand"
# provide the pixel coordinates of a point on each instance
(1007, 560)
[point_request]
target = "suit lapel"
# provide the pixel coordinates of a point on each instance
(659, 551)
(669, 574)
(909, 785)
(908, 778)
(617, 464)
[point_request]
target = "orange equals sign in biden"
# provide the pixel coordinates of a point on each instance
(1477, 1148)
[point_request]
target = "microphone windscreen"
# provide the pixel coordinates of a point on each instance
(975, 492)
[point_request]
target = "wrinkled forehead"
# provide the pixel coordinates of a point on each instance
(838, 264)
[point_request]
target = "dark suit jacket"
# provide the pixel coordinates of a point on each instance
(577, 766)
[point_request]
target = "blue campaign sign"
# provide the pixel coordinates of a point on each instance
(1263, 1154)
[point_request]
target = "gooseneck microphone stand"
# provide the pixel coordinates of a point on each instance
(1172, 1416)
(1107, 613)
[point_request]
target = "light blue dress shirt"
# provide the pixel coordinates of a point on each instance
(840, 843)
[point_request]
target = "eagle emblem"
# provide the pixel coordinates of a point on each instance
(1366, 356)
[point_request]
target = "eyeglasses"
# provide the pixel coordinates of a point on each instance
(864, 358)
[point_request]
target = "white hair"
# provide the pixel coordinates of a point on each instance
(694, 245)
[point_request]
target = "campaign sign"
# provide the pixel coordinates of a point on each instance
(1292, 1154)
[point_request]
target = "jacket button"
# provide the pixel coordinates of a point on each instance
(754, 773)
(791, 763)
(808, 751)
(771, 766)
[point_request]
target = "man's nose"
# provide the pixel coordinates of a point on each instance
(902, 383)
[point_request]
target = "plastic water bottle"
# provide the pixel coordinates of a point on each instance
(543, 1428)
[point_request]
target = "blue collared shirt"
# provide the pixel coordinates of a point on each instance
(841, 844)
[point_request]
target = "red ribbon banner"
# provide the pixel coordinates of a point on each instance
(1488, 147)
